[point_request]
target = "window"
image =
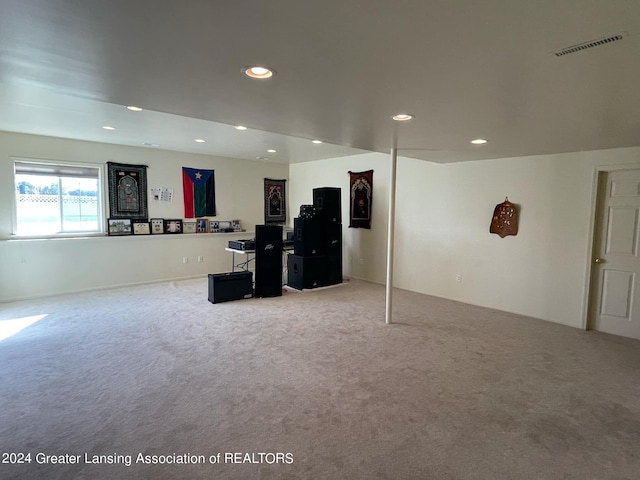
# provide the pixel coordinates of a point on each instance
(54, 198)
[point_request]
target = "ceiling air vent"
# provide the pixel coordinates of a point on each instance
(590, 44)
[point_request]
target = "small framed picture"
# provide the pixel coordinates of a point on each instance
(141, 228)
(236, 225)
(119, 226)
(214, 226)
(189, 226)
(202, 225)
(172, 226)
(225, 226)
(157, 225)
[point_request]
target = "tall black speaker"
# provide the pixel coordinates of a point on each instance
(268, 261)
(308, 239)
(327, 203)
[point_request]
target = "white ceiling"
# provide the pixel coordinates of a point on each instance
(464, 68)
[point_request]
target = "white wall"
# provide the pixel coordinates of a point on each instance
(443, 213)
(49, 266)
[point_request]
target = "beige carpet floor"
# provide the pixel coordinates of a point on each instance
(312, 385)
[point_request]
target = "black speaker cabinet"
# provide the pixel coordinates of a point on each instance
(306, 272)
(332, 238)
(333, 246)
(308, 239)
(327, 203)
(334, 268)
(268, 261)
(224, 287)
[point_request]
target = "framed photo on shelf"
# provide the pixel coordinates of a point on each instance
(202, 225)
(172, 226)
(157, 225)
(119, 226)
(225, 226)
(236, 225)
(214, 226)
(141, 228)
(189, 226)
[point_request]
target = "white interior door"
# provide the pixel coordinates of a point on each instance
(615, 297)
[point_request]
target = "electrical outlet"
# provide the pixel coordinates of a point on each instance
(362, 261)
(23, 260)
(200, 259)
(185, 260)
(459, 278)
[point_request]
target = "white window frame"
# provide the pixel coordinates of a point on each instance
(59, 166)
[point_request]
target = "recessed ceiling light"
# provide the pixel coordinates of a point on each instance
(479, 141)
(199, 140)
(258, 71)
(108, 127)
(240, 127)
(317, 142)
(402, 117)
(133, 108)
(271, 150)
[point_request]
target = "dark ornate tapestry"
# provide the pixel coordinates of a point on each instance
(360, 198)
(127, 191)
(505, 219)
(275, 201)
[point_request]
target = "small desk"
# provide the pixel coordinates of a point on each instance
(250, 255)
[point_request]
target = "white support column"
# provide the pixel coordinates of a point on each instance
(391, 235)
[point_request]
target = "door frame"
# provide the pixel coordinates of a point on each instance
(599, 172)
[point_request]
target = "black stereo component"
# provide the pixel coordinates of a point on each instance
(307, 236)
(268, 261)
(224, 287)
(327, 203)
(242, 244)
(287, 242)
(306, 272)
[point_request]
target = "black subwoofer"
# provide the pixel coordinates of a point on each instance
(307, 272)
(268, 261)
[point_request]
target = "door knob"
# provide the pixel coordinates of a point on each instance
(599, 260)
